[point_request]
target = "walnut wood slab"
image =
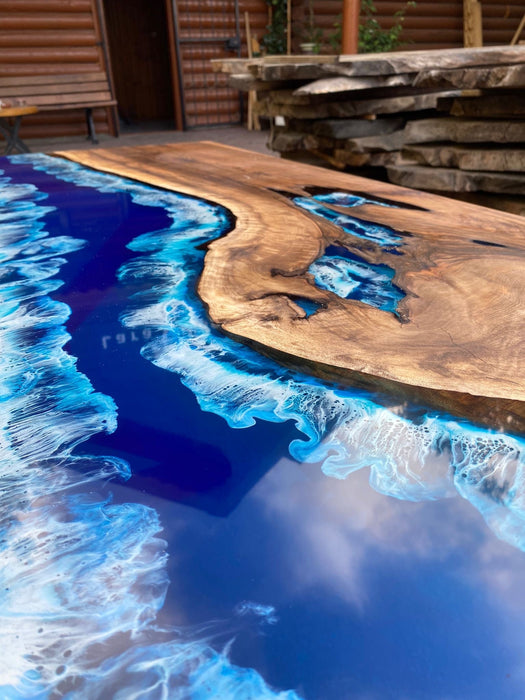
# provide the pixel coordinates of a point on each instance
(461, 329)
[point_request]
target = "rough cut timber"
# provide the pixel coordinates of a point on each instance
(379, 64)
(454, 180)
(509, 203)
(271, 106)
(371, 144)
(415, 61)
(483, 111)
(286, 140)
(501, 105)
(341, 129)
(244, 65)
(329, 86)
(465, 131)
(375, 159)
(501, 76)
(468, 158)
(457, 340)
(246, 82)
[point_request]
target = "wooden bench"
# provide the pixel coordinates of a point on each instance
(56, 92)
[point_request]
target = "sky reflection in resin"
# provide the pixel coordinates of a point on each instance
(184, 518)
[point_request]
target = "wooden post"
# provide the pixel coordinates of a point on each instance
(288, 27)
(252, 121)
(518, 31)
(176, 67)
(350, 26)
(472, 24)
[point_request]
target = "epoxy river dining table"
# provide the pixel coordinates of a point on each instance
(262, 433)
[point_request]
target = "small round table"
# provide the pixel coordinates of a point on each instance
(10, 130)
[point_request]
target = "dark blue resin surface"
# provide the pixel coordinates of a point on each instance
(183, 518)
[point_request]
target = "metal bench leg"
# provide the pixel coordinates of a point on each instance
(91, 125)
(11, 136)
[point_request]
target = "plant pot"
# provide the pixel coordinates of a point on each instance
(307, 47)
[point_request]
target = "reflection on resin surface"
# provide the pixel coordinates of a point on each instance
(154, 551)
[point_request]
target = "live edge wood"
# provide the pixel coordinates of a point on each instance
(460, 341)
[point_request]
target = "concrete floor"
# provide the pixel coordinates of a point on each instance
(229, 135)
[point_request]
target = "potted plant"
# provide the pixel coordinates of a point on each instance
(311, 34)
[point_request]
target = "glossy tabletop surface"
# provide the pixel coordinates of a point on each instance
(182, 517)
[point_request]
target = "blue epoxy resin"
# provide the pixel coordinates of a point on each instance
(307, 305)
(375, 233)
(81, 572)
(347, 274)
(329, 549)
(350, 277)
(347, 199)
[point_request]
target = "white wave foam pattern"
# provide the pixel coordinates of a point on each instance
(180, 671)
(82, 579)
(432, 458)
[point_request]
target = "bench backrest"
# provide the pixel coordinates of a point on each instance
(59, 91)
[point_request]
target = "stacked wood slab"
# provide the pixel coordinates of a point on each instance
(451, 121)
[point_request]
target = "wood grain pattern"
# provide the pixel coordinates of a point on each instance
(499, 105)
(455, 180)
(462, 270)
(271, 106)
(342, 83)
(501, 76)
(465, 130)
(374, 64)
(468, 158)
(407, 61)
